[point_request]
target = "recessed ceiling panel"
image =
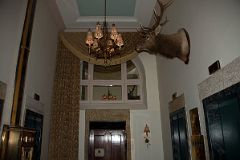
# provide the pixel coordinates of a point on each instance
(114, 7)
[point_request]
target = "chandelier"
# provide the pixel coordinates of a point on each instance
(102, 44)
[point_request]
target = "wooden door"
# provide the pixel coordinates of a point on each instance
(107, 144)
(179, 135)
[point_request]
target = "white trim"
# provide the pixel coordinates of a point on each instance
(109, 19)
(73, 20)
(132, 106)
(124, 103)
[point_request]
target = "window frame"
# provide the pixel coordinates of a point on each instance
(125, 103)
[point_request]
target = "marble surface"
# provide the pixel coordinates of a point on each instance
(223, 78)
(177, 103)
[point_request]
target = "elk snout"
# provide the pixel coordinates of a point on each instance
(148, 44)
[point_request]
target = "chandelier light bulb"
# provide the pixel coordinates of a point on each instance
(89, 38)
(114, 32)
(104, 44)
(95, 44)
(110, 42)
(98, 33)
(119, 41)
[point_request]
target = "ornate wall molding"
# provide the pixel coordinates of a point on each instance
(75, 42)
(110, 116)
(223, 78)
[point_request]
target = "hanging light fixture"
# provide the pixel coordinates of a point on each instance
(102, 44)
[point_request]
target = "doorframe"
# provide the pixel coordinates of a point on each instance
(108, 115)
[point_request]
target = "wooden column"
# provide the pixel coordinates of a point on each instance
(21, 67)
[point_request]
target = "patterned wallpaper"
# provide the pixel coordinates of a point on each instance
(64, 130)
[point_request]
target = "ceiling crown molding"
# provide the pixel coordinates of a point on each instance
(73, 20)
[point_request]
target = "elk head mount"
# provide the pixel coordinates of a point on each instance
(168, 45)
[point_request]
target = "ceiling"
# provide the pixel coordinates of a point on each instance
(114, 7)
(126, 14)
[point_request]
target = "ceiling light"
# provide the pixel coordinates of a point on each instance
(102, 44)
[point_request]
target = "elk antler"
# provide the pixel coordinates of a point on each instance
(157, 18)
(170, 46)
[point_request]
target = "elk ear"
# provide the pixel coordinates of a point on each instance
(175, 45)
(185, 45)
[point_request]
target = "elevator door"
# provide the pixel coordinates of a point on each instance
(179, 135)
(222, 113)
(107, 142)
(34, 121)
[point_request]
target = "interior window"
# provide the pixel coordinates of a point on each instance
(107, 72)
(132, 72)
(115, 85)
(84, 93)
(84, 70)
(107, 93)
(133, 92)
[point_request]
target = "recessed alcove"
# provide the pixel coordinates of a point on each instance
(108, 117)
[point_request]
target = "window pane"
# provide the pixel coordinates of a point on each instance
(84, 93)
(107, 93)
(133, 92)
(84, 70)
(132, 72)
(107, 73)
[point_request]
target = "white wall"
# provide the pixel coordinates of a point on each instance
(214, 32)
(139, 118)
(12, 14)
(151, 116)
(41, 65)
(41, 62)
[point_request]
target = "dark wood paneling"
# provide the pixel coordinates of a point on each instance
(112, 141)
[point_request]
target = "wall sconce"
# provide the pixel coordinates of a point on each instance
(146, 135)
